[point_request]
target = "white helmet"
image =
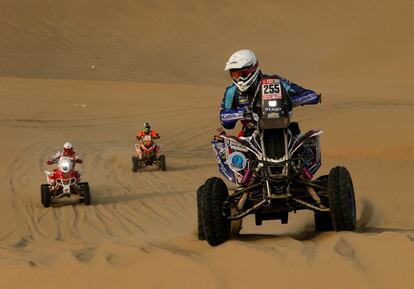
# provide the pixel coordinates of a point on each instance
(244, 68)
(68, 146)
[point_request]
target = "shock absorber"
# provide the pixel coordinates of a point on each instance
(246, 180)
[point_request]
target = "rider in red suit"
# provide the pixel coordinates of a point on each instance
(154, 135)
(67, 151)
(147, 131)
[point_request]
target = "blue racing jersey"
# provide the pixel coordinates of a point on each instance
(235, 103)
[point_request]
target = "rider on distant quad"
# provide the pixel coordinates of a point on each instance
(67, 152)
(148, 132)
(248, 88)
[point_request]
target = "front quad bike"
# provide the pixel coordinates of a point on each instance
(273, 171)
(50, 193)
(145, 155)
(63, 182)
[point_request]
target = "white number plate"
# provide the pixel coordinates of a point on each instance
(271, 89)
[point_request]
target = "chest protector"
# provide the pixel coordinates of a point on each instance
(274, 103)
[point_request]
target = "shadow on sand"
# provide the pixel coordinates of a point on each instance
(136, 197)
(365, 225)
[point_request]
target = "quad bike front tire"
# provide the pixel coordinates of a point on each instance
(323, 220)
(135, 164)
(341, 199)
(86, 192)
(45, 195)
(213, 214)
(200, 229)
(163, 163)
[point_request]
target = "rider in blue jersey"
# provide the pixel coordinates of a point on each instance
(244, 95)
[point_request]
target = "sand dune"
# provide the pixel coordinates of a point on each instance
(93, 72)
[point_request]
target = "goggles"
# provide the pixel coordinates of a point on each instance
(243, 73)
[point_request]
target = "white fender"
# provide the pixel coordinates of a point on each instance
(316, 133)
(319, 132)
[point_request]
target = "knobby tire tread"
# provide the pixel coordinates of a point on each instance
(340, 190)
(200, 229)
(216, 226)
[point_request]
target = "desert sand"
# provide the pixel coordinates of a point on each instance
(92, 72)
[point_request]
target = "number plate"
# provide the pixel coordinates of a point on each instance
(271, 89)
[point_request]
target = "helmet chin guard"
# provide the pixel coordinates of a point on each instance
(244, 85)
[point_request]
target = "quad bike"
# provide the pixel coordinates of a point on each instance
(146, 155)
(273, 171)
(64, 182)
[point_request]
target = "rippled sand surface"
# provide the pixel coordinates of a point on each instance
(92, 73)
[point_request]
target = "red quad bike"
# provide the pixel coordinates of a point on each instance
(64, 182)
(273, 172)
(146, 155)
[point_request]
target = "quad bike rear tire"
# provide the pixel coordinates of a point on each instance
(200, 229)
(213, 215)
(45, 195)
(135, 164)
(86, 193)
(341, 199)
(163, 163)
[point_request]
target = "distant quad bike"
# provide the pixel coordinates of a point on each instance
(273, 171)
(63, 182)
(145, 155)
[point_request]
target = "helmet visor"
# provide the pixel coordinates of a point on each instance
(243, 73)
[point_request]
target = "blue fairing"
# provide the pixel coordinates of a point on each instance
(227, 172)
(223, 167)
